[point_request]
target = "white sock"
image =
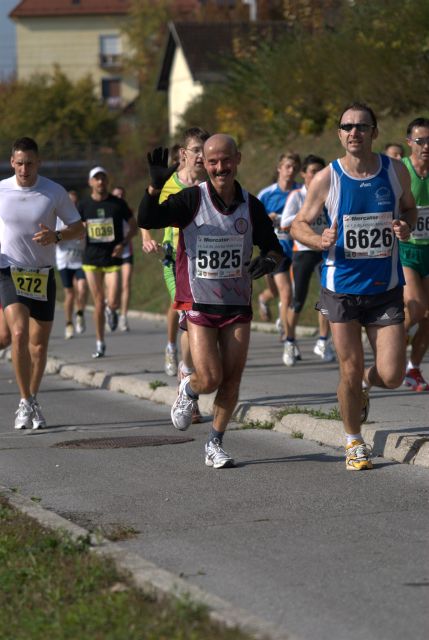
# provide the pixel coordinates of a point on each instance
(187, 370)
(410, 365)
(100, 344)
(353, 436)
(171, 346)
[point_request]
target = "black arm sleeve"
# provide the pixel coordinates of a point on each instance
(177, 211)
(263, 230)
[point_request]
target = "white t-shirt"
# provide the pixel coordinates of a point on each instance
(292, 205)
(69, 252)
(22, 209)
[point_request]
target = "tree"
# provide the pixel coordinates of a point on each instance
(58, 113)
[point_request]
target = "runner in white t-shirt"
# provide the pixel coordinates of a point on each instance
(29, 208)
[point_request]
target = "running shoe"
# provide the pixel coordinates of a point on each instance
(365, 405)
(80, 324)
(264, 310)
(182, 409)
(170, 363)
(197, 418)
(100, 351)
(414, 379)
(111, 318)
(38, 419)
(24, 415)
(296, 351)
(358, 456)
(69, 331)
(289, 357)
(324, 350)
(123, 323)
(279, 326)
(216, 457)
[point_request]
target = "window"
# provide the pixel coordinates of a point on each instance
(111, 92)
(110, 51)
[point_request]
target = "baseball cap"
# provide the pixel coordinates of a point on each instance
(96, 170)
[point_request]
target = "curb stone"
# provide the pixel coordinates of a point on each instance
(398, 446)
(149, 578)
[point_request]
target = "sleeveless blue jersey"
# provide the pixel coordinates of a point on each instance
(273, 198)
(365, 258)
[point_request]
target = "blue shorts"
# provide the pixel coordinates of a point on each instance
(67, 276)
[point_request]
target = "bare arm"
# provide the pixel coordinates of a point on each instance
(316, 196)
(149, 244)
(408, 217)
(48, 236)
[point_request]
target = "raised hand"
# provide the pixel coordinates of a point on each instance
(158, 167)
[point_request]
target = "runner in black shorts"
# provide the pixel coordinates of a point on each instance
(27, 282)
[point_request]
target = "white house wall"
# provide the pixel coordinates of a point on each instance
(182, 90)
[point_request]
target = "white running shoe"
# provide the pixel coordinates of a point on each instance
(69, 331)
(123, 323)
(279, 326)
(38, 419)
(289, 358)
(24, 415)
(324, 350)
(80, 324)
(183, 407)
(216, 457)
(100, 350)
(170, 362)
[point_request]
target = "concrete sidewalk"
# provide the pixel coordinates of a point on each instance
(398, 426)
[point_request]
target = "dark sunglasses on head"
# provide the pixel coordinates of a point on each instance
(360, 126)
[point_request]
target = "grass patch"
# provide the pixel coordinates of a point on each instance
(333, 414)
(257, 424)
(53, 587)
(297, 434)
(154, 384)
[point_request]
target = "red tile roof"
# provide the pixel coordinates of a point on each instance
(40, 8)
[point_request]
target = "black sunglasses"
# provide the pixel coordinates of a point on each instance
(360, 126)
(420, 141)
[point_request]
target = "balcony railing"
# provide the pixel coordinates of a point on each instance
(111, 60)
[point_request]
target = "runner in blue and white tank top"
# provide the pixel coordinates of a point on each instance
(370, 207)
(365, 257)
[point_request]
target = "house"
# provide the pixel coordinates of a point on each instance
(196, 54)
(81, 37)
(7, 41)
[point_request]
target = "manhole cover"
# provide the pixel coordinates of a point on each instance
(123, 442)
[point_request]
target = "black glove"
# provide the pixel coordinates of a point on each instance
(261, 266)
(158, 167)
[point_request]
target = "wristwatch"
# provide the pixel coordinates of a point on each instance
(58, 237)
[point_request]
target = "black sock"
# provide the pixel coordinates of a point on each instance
(190, 393)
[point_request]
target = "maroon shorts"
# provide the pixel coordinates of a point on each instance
(212, 320)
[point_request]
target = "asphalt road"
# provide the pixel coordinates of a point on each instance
(288, 534)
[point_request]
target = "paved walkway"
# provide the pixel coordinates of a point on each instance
(398, 426)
